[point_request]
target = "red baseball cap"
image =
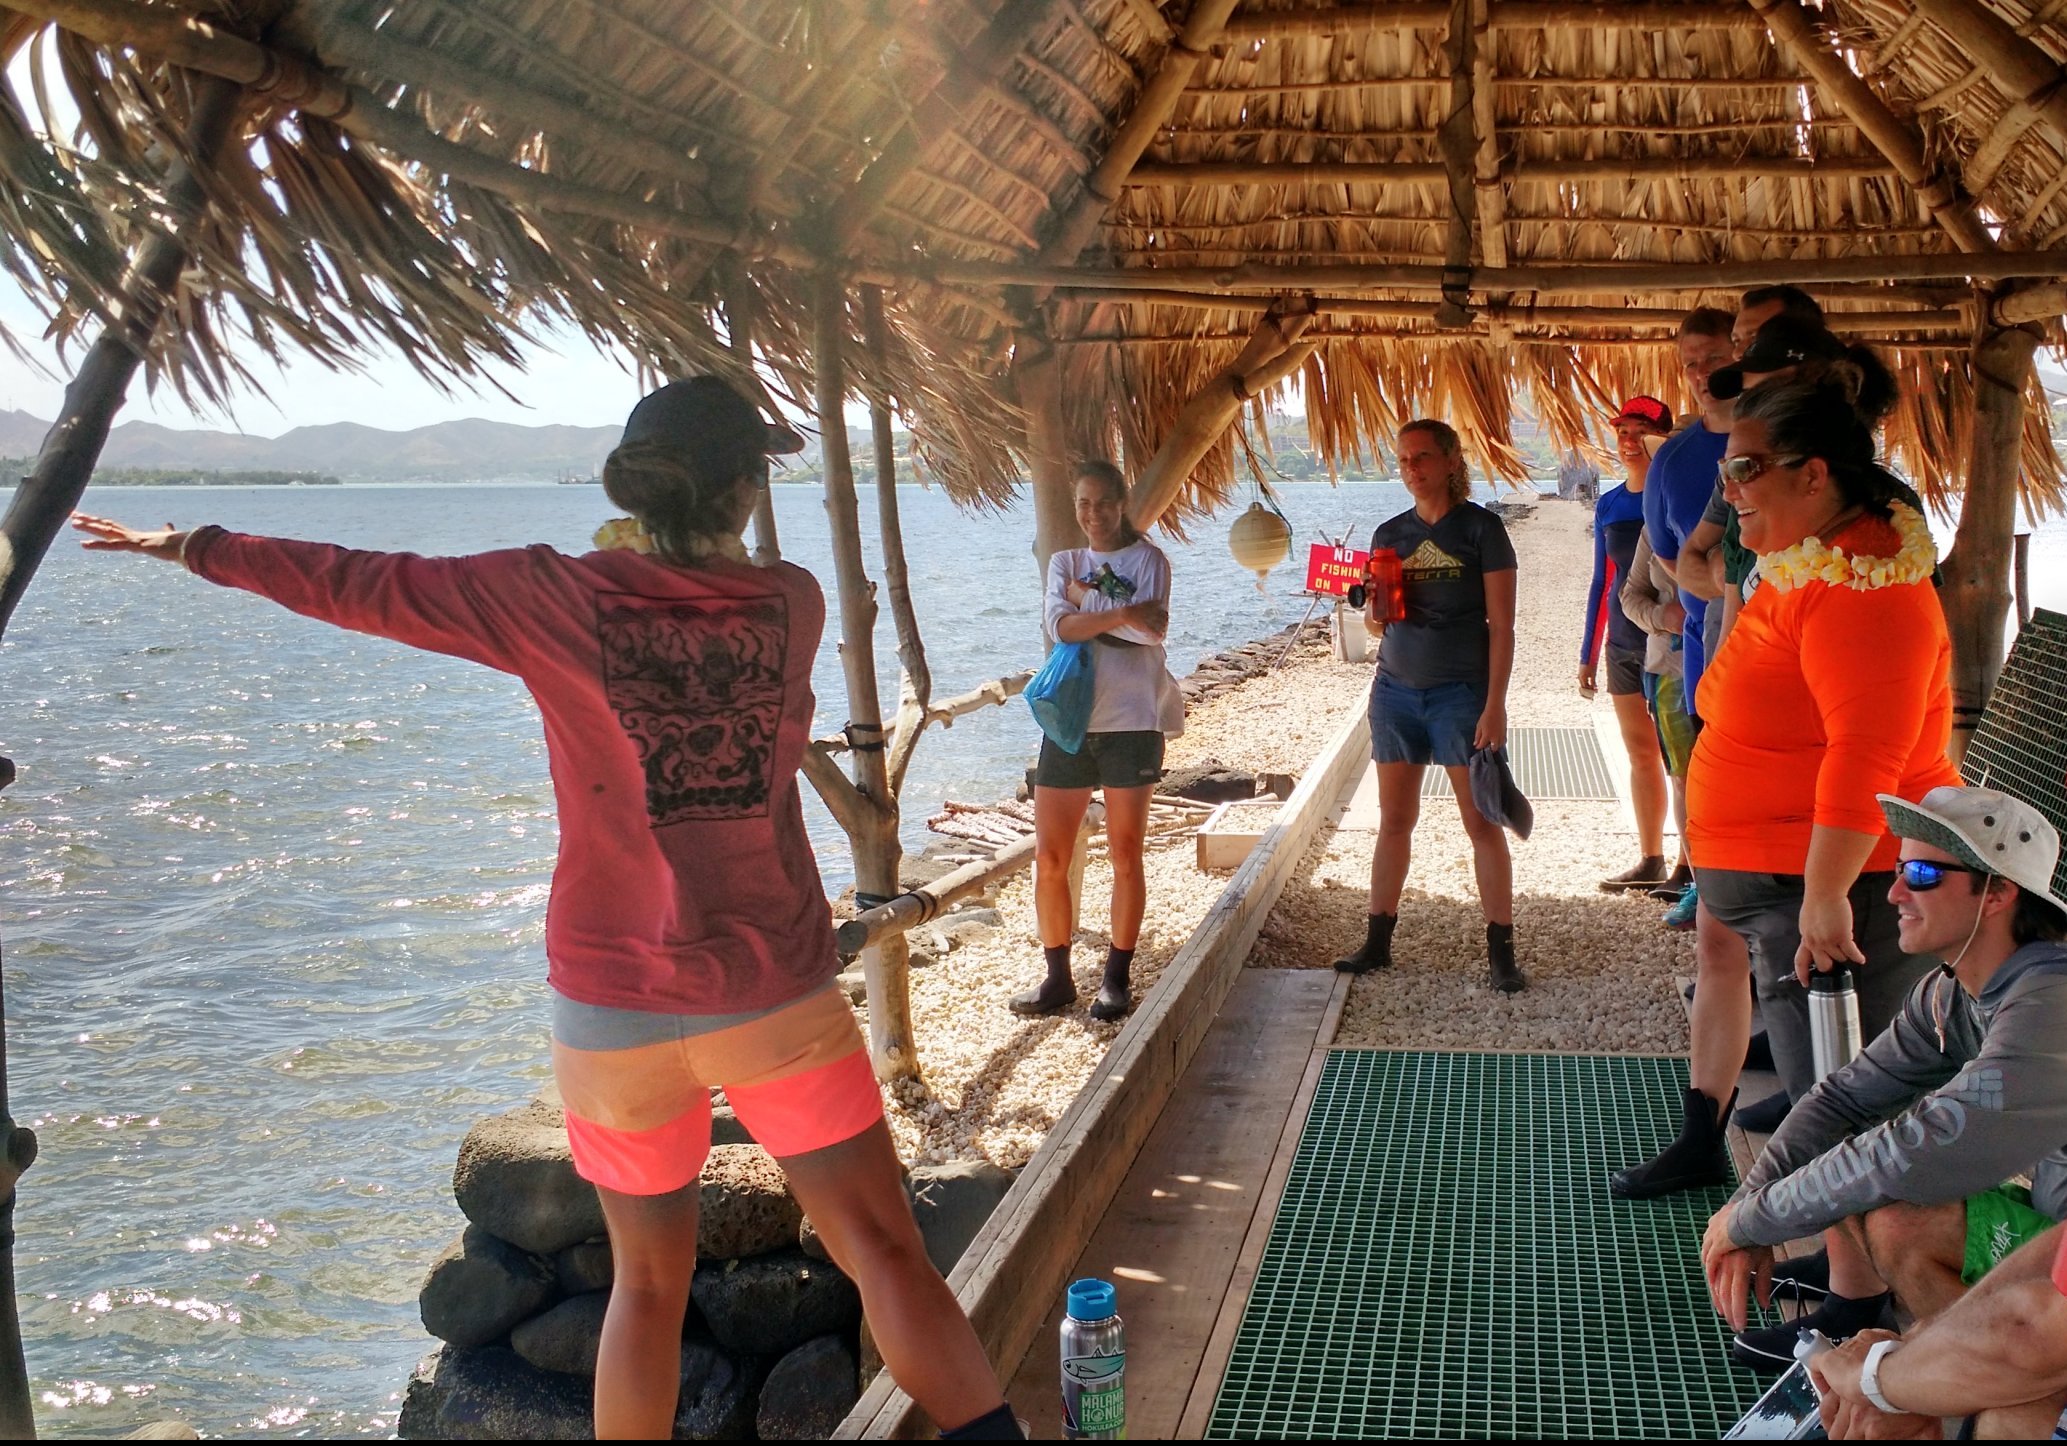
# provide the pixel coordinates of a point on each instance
(1648, 410)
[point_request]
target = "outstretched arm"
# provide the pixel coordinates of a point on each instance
(104, 534)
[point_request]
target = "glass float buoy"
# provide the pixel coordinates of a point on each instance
(1260, 539)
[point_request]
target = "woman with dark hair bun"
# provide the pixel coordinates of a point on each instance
(688, 941)
(1834, 687)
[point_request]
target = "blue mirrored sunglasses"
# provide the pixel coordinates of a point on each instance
(1920, 876)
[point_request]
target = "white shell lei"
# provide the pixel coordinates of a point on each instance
(628, 534)
(1810, 560)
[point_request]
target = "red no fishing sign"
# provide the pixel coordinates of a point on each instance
(1332, 570)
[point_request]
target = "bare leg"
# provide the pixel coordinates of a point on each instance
(1646, 772)
(1399, 809)
(854, 1194)
(1126, 831)
(1679, 813)
(1491, 863)
(639, 1361)
(1058, 813)
(1721, 1026)
(1919, 1250)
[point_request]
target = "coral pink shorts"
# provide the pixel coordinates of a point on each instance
(637, 1085)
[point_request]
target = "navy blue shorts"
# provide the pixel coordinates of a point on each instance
(1424, 725)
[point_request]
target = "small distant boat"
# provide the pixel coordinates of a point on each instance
(575, 479)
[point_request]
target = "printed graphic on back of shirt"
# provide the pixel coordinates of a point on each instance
(697, 685)
(1429, 563)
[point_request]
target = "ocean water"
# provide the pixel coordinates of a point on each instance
(273, 906)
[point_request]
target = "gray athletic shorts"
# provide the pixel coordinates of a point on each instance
(1765, 911)
(1622, 670)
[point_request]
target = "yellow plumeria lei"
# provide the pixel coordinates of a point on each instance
(1811, 560)
(628, 534)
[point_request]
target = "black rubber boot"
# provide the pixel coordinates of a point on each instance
(1770, 1349)
(1698, 1158)
(1057, 992)
(1762, 1117)
(998, 1425)
(1377, 950)
(1116, 992)
(1502, 972)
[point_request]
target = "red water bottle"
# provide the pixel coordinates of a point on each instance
(1387, 584)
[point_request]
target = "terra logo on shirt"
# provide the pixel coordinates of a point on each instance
(1430, 563)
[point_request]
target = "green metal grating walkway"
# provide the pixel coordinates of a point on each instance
(1548, 763)
(1446, 1261)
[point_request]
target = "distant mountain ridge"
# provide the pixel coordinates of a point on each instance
(468, 450)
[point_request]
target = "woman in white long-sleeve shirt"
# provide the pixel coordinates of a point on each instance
(1114, 594)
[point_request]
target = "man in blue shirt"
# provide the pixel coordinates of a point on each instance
(1682, 476)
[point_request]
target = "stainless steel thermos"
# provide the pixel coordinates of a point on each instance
(1834, 1018)
(1094, 1364)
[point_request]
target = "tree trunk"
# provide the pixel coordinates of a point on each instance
(1037, 370)
(873, 836)
(1976, 592)
(41, 504)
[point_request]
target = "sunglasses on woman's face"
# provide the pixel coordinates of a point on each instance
(1742, 469)
(1920, 876)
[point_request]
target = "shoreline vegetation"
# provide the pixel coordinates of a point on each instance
(14, 469)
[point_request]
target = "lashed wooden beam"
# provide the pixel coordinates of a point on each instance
(1551, 278)
(1152, 107)
(1509, 15)
(1635, 317)
(2037, 303)
(2019, 68)
(967, 77)
(1182, 174)
(331, 42)
(1678, 84)
(1456, 143)
(1796, 33)
(1485, 125)
(1477, 331)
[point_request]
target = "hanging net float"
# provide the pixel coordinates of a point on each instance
(1260, 539)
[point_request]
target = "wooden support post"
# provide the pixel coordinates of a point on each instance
(1037, 372)
(873, 833)
(1274, 352)
(1486, 178)
(1795, 32)
(52, 489)
(40, 506)
(1976, 591)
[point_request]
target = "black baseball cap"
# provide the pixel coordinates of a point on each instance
(701, 410)
(1783, 342)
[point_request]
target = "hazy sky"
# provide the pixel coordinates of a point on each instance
(566, 380)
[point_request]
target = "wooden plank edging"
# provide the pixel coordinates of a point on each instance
(1016, 1265)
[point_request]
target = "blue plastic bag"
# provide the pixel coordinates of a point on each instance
(1060, 695)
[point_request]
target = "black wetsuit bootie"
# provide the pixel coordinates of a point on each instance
(1376, 952)
(1057, 992)
(1116, 993)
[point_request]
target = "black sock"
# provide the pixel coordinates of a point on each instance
(1119, 964)
(1842, 1315)
(998, 1425)
(1058, 964)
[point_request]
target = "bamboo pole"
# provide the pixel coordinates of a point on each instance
(1485, 126)
(1679, 84)
(1666, 19)
(940, 112)
(1527, 314)
(1796, 34)
(1976, 573)
(1152, 106)
(2023, 71)
(917, 906)
(1556, 278)
(877, 850)
(330, 41)
(1457, 144)
(739, 339)
(1476, 332)
(1182, 175)
(38, 510)
(1274, 352)
(1037, 375)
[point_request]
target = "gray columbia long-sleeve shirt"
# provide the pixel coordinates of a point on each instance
(1956, 1096)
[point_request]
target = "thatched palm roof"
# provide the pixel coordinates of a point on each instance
(1498, 202)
